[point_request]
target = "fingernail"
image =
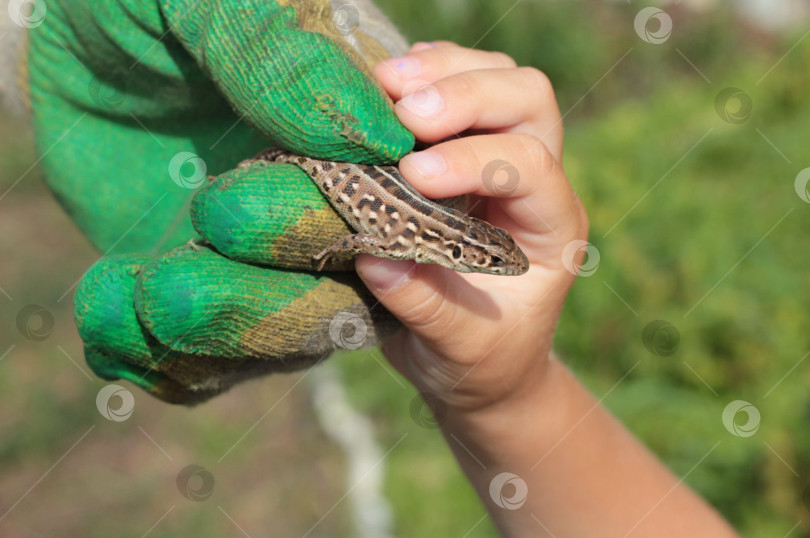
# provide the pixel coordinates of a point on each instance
(425, 102)
(428, 163)
(405, 67)
(388, 275)
(422, 45)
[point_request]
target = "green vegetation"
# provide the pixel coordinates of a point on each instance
(697, 223)
(724, 214)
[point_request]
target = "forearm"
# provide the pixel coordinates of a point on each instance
(586, 474)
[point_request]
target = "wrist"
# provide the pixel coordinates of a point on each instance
(531, 420)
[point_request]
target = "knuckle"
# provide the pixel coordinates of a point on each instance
(537, 81)
(437, 313)
(426, 313)
(464, 86)
(540, 158)
(502, 59)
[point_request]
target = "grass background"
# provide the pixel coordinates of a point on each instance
(697, 223)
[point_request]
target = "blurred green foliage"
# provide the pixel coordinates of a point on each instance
(697, 224)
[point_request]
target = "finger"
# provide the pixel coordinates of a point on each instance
(431, 301)
(231, 212)
(517, 100)
(349, 121)
(518, 168)
(429, 62)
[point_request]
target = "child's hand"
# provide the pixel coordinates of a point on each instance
(478, 340)
(481, 343)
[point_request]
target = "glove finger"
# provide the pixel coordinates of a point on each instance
(291, 72)
(268, 214)
(200, 303)
(116, 345)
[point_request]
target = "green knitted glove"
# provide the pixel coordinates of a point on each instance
(135, 104)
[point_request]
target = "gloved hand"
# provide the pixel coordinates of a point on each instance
(136, 104)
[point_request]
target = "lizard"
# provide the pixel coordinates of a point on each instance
(394, 221)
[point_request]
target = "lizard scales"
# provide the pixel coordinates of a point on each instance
(393, 220)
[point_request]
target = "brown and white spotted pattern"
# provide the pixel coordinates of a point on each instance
(394, 221)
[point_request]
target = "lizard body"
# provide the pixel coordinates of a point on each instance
(393, 220)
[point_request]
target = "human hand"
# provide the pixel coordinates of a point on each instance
(478, 341)
(134, 108)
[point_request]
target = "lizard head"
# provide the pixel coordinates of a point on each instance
(487, 249)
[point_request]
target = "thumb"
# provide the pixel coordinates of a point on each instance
(438, 305)
(411, 291)
(414, 293)
(443, 313)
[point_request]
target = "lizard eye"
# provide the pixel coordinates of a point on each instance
(457, 252)
(496, 261)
